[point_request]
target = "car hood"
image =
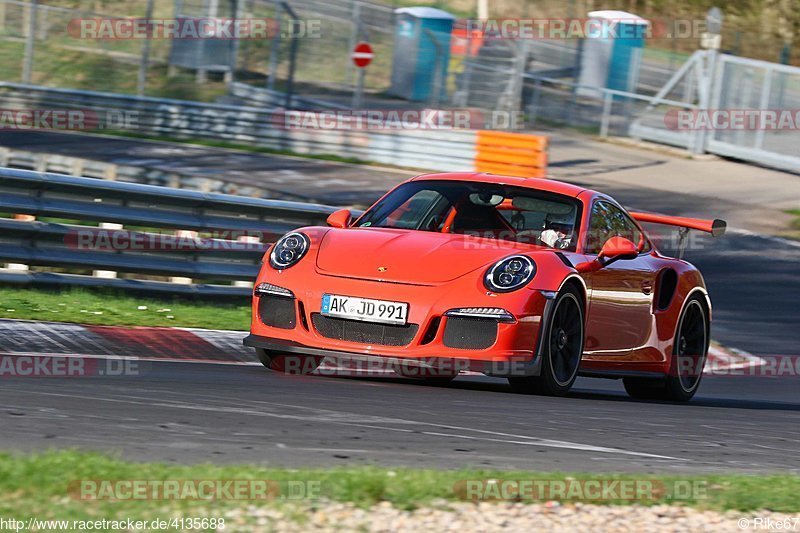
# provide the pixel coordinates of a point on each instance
(407, 256)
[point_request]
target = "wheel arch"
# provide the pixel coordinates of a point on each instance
(574, 280)
(705, 302)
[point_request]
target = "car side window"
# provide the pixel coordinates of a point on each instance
(607, 220)
(414, 211)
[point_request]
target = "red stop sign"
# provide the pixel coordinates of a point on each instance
(362, 55)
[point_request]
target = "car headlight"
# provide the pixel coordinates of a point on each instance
(288, 250)
(510, 273)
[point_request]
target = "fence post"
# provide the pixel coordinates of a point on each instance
(766, 89)
(707, 71)
(30, 39)
(274, 48)
(141, 81)
(533, 107)
(608, 99)
(230, 76)
(292, 57)
(355, 35)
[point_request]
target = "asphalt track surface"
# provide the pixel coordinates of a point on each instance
(191, 412)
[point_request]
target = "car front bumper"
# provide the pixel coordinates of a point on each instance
(514, 349)
(374, 361)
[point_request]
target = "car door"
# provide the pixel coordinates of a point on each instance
(620, 317)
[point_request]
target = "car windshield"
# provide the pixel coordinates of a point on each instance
(480, 209)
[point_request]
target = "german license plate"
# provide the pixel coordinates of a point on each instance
(364, 309)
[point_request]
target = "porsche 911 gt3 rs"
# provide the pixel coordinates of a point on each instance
(533, 280)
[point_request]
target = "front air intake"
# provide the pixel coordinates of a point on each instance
(469, 333)
(277, 311)
(363, 332)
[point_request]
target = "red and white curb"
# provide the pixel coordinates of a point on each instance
(722, 359)
(31, 338)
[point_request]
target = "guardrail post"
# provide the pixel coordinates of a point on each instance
(248, 239)
(20, 266)
(183, 234)
(110, 173)
(40, 164)
(107, 274)
(77, 167)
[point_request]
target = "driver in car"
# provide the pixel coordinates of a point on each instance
(557, 235)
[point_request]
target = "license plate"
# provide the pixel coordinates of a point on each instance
(364, 309)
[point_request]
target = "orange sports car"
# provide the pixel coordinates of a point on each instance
(533, 280)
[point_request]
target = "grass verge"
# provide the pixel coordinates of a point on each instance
(796, 221)
(114, 308)
(44, 485)
(794, 226)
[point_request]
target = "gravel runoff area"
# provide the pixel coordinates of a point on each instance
(466, 517)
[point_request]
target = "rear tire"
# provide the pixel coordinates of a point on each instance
(288, 363)
(689, 352)
(563, 349)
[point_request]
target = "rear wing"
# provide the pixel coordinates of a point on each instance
(715, 227)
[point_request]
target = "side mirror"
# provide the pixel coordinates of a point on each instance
(339, 219)
(614, 249)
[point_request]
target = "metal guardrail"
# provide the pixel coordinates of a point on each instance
(165, 177)
(263, 127)
(155, 213)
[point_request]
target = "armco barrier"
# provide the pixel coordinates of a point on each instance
(50, 247)
(445, 150)
(81, 167)
(514, 154)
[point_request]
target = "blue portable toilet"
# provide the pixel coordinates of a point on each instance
(612, 51)
(421, 52)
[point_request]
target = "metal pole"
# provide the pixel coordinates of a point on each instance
(355, 35)
(766, 92)
(437, 65)
(606, 118)
(707, 72)
(230, 76)
(141, 82)
(359, 92)
(274, 48)
(292, 58)
(533, 108)
(27, 62)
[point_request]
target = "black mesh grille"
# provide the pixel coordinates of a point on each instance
(470, 333)
(364, 332)
(277, 311)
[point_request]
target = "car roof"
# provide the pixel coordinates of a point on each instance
(547, 185)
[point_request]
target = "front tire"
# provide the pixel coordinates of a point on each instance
(288, 364)
(689, 353)
(563, 348)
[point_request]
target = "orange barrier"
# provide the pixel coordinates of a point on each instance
(512, 154)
